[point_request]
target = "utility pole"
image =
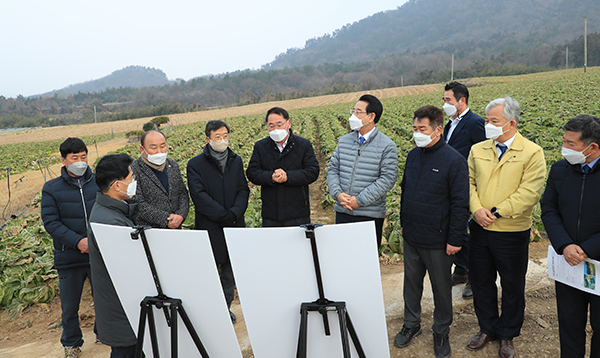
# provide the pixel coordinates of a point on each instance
(585, 45)
(567, 59)
(95, 119)
(401, 81)
(452, 71)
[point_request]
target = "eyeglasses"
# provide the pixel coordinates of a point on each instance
(279, 125)
(357, 112)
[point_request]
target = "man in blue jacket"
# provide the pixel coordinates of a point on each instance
(464, 129)
(571, 212)
(434, 212)
(66, 204)
(363, 168)
(220, 194)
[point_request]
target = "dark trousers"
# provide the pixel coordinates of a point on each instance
(504, 253)
(417, 261)
(123, 352)
(342, 218)
(572, 305)
(461, 258)
(227, 282)
(285, 223)
(71, 282)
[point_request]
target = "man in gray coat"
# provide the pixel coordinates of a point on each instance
(161, 194)
(117, 185)
(363, 168)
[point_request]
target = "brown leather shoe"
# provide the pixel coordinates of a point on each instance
(479, 341)
(507, 350)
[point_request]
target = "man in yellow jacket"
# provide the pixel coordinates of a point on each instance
(506, 176)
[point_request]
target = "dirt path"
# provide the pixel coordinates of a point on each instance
(25, 186)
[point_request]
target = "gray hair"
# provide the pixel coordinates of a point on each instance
(511, 108)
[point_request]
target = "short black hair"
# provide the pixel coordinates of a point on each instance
(215, 125)
(143, 138)
(435, 115)
(459, 90)
(277, 110)
(374, 105)
(72, 145)
(110, 168)
(587, 125)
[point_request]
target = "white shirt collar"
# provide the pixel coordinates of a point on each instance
(366, 135)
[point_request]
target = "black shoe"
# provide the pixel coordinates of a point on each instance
(441, 345)
(405, 336)
(456, 279)
(233, 319)
(467, 292)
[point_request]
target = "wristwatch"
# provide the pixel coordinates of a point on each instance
(495, 212)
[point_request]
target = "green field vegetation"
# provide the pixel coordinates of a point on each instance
(23, 157)
(547, 101)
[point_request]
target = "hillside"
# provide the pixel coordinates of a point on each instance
(471, 29)
(131, 76)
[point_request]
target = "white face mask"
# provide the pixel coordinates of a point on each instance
(131, 188)
(355, 122)
(77, 168)
(575, 157)
(220, 145)
(157, 159)
(422, 140)
(450, 109)
(493, 132)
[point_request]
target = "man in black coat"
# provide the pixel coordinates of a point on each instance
(220, 195)
(162, 197)
(117, 185)
(571, 212)
(434, 212)
(66, 204)
(464, 129)
(284, 165)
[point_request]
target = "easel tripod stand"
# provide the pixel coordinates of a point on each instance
(323, 305)
(170, 306)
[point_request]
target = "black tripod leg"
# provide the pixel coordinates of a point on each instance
(301, 352)
(354, 336)
(341, 311)
(141, 328)
(152, 327)
(174, 341)
(192, 331)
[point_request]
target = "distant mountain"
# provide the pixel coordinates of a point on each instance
(131, 76)
(466, 28)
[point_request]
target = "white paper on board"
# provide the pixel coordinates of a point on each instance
(275, 274)
(186, 270)
(582, 277)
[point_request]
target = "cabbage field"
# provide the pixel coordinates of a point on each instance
(547, 101)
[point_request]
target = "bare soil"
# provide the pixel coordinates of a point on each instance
(36, 332)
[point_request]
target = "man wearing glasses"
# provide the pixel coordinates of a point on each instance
(363, 168)
(284, 164)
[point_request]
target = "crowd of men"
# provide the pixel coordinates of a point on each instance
(468, 192)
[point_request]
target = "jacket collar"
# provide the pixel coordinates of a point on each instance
(87, 176)
(440, 143)
(145, 168)
(127, 209)
(371, 136)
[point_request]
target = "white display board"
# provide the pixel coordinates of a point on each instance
(275, 274)
(582, 276)
(186, 270)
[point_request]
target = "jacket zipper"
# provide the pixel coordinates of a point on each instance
(580, 204)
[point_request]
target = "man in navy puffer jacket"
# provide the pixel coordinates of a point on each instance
(66, 204)
(434, 212)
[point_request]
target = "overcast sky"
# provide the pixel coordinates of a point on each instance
(47, 45)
